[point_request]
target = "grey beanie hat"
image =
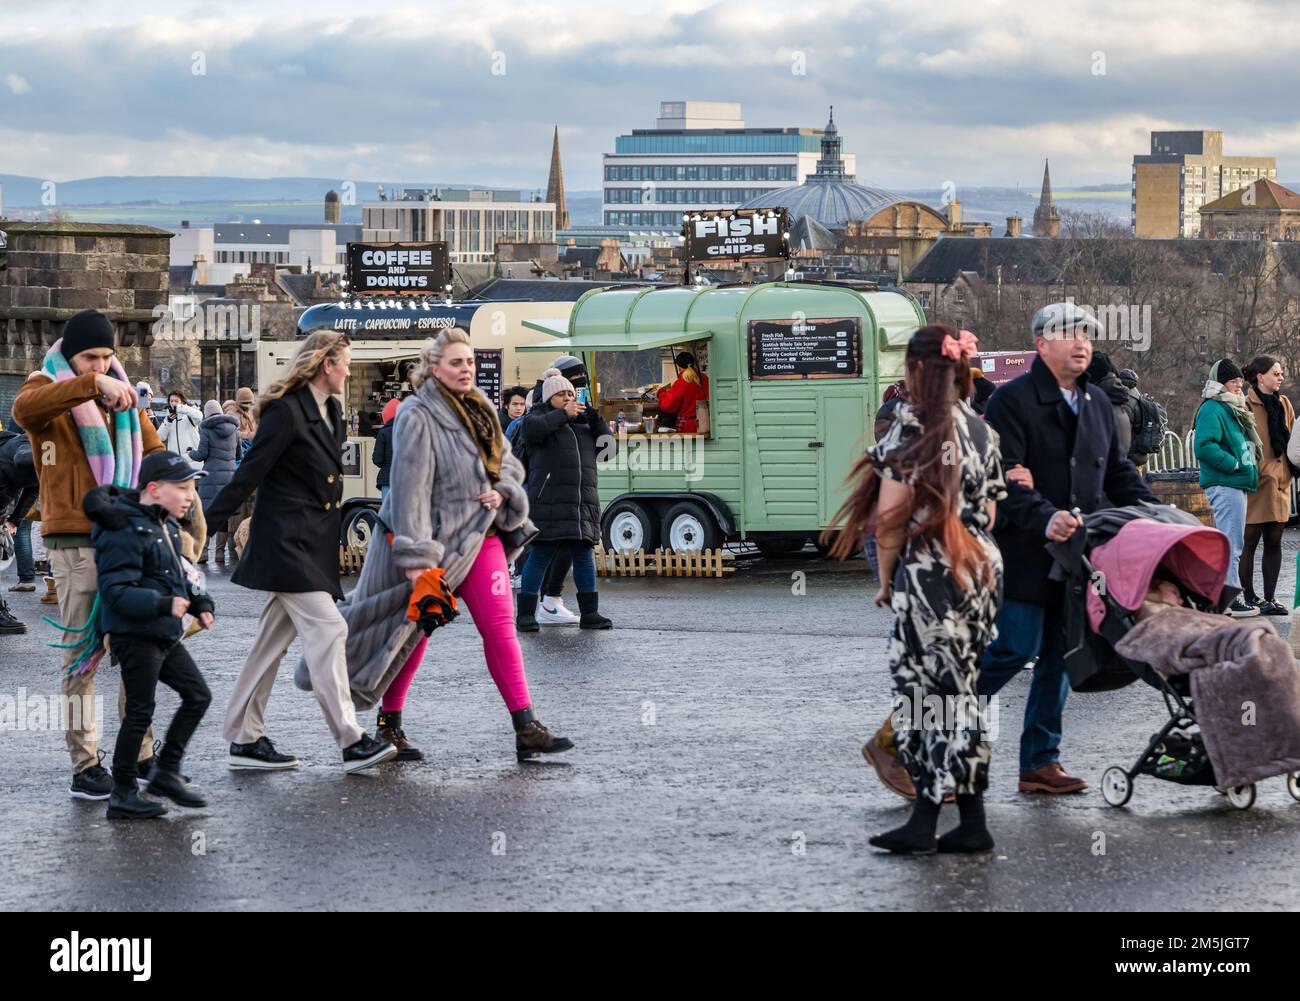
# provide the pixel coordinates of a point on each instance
(1056, 319)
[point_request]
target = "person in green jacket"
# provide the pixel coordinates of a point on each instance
(1228, 449)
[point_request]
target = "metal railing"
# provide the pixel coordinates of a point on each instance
(1178, 453)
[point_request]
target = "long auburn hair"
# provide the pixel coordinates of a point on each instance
(935, 382)
(315, 350)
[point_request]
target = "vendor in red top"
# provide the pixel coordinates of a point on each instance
(690, 387)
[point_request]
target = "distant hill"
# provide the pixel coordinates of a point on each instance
(166, 200)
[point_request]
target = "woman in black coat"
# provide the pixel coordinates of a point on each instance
(563, 439)
(218, 445)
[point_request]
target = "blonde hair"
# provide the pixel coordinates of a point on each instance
(431, 352)
(315, 350)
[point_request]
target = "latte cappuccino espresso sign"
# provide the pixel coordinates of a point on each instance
(398, 269)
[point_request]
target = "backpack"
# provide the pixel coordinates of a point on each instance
(515, 435)
(1149, 424)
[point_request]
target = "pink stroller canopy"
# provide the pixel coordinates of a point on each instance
(1195, 556)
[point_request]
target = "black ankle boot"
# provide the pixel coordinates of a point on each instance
(532, 739)
(589, 605)
(526, 615)
(125, 803)
(916, 837)
(971, 835)
(389, 728)
(173, 785)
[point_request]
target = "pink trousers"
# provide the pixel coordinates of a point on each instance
(487, 593)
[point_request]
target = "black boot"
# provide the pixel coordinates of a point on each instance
(164, 782)
(589, 604)
(532, 739)
(526, 616)
(9, 624)
(125, 803)
(916, 837)
(389, 728)
(971, 835)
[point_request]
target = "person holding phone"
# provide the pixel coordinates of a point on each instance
(563, 438)
(179, 428)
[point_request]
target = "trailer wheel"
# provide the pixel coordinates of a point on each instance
(1293, 785)
(629, 525)
(1241, 797)
(360, 529)
(689, 526)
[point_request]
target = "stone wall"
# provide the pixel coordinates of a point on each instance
(57, 269)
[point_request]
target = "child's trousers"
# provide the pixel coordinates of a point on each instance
(144, 662)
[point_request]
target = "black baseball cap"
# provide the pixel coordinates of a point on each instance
(167, 467)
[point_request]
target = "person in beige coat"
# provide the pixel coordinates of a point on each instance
(1269, 507)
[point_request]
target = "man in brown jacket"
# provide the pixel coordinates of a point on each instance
(43, 408)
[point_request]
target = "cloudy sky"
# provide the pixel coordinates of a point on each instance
(924, 93)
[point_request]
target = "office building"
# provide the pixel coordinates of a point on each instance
(1183, 172)
(700, 157)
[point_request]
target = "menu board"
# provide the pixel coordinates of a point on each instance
(822, 348)
(488, 363)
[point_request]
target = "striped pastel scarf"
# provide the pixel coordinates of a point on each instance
(113, 461)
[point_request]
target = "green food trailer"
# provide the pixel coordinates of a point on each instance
(795, 373)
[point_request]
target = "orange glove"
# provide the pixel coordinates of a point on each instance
(432, 603)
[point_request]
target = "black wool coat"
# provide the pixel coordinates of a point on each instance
(1075, 462)
(562, 498)
(296, 466)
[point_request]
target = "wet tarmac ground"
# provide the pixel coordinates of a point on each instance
(718, 765)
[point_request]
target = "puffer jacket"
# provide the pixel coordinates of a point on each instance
(215, 452)
(180, 433)
(137, 558)
(562, 498)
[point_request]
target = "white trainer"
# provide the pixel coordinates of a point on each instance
(551, 612)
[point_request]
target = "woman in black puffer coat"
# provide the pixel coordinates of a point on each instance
(217, 447)
(563, 439)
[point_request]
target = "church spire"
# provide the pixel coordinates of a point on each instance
(1047, 221)
(555, 185)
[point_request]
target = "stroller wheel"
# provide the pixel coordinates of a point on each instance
(1293, 785)
(1116, 786)
(1241, 797)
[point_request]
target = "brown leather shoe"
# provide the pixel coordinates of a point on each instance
(389, 728)
(1051, 779)
(892, 775)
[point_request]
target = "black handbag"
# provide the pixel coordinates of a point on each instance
(516, 538)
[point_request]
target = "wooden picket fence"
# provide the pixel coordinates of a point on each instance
(613, 563)
(350, 560)
(664, 562)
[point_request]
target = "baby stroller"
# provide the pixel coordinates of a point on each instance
(1106, 579)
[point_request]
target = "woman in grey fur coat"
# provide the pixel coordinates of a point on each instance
(454, 488)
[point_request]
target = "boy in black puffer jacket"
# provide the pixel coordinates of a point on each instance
(144, 594)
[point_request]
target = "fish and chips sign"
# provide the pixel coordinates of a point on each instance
(390, 269)
(745, 235)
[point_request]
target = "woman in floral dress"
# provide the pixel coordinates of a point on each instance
(929, 489)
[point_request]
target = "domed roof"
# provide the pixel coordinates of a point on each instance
(829, 197)
(331, 196)
(833, 202)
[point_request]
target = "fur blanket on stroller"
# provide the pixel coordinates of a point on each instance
(1245, 687)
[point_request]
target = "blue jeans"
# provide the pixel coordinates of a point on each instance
(23, 553)
(1026, 631)
(539, 559)
(383, 492)
(1229, 507)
